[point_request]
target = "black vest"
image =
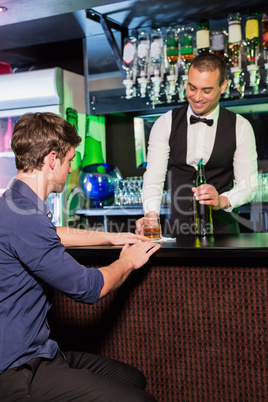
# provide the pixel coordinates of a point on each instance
(219, 172)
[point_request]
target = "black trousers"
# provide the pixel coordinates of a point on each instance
(83, 377)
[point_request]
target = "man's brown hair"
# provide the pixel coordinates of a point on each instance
(35, 135)
(210, 62)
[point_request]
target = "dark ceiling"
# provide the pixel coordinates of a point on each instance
(45, 33)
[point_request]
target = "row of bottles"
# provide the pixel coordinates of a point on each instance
(157, 63)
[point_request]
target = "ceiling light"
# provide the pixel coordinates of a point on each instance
(2, 9)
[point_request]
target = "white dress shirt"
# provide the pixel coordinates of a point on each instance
(200, 141)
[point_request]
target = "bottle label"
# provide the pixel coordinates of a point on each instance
(172, 51)
(265, 37)
(234, 31)
(202, 39)
(156, 49)
(142, 50)
(252, 29)
(128, 53)
(186, 50)
(217, 42)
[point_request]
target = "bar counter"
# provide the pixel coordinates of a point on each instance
(193, 319)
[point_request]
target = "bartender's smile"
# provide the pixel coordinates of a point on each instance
(203, 90)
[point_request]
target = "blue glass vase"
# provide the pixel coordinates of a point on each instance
(98, 183)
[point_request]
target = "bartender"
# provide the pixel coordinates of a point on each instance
(201, 129)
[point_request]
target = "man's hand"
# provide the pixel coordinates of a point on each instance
(118, 239)
(131, 257)
(139, 222)
(139, 253)
(208, 195)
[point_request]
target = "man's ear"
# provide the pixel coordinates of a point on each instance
(223, 86)
(52, 159)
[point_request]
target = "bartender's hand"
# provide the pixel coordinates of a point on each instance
(139, 222)
(208, 195)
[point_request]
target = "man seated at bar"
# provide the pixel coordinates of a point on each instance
(202, 129)
(33, 258)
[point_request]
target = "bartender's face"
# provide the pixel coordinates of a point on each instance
(203, 91)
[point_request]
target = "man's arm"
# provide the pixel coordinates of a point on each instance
(80, 237)
(157, 160)
(245, 165)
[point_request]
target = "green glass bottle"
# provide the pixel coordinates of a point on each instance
(203, 213)
(186, 45)
(172, 48)
(73, 178)
(93, 148)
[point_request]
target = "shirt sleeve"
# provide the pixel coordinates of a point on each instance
(157, 160)
(245, 165)
(38, 247)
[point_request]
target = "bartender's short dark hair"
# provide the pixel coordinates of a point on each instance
(35, 135)
(210, 62)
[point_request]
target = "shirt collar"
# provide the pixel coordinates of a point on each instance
(213, 115)
(26, 191)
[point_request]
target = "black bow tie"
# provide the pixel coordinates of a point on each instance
(194, 119)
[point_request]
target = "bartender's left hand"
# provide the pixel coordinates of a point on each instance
(208, 195)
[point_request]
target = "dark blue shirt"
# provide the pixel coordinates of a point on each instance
(32, 258)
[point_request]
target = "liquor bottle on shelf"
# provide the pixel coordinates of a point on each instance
(172, 48)
(156, 52)
(219, 43)
(186, 42)
(252, 40)
(202, 36)
(129, 64)
(252, 37)
(172, 56)
(234, 39)
(234, 54)
(157, 63)
(264, 21)
(186, 46)
(203, 213)
(265, 47)
(143, 58)
(263, 60)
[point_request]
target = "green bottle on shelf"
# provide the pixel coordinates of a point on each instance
(93, 148)
(203, 213)
(73, 178)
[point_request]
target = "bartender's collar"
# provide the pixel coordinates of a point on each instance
(213, 115)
